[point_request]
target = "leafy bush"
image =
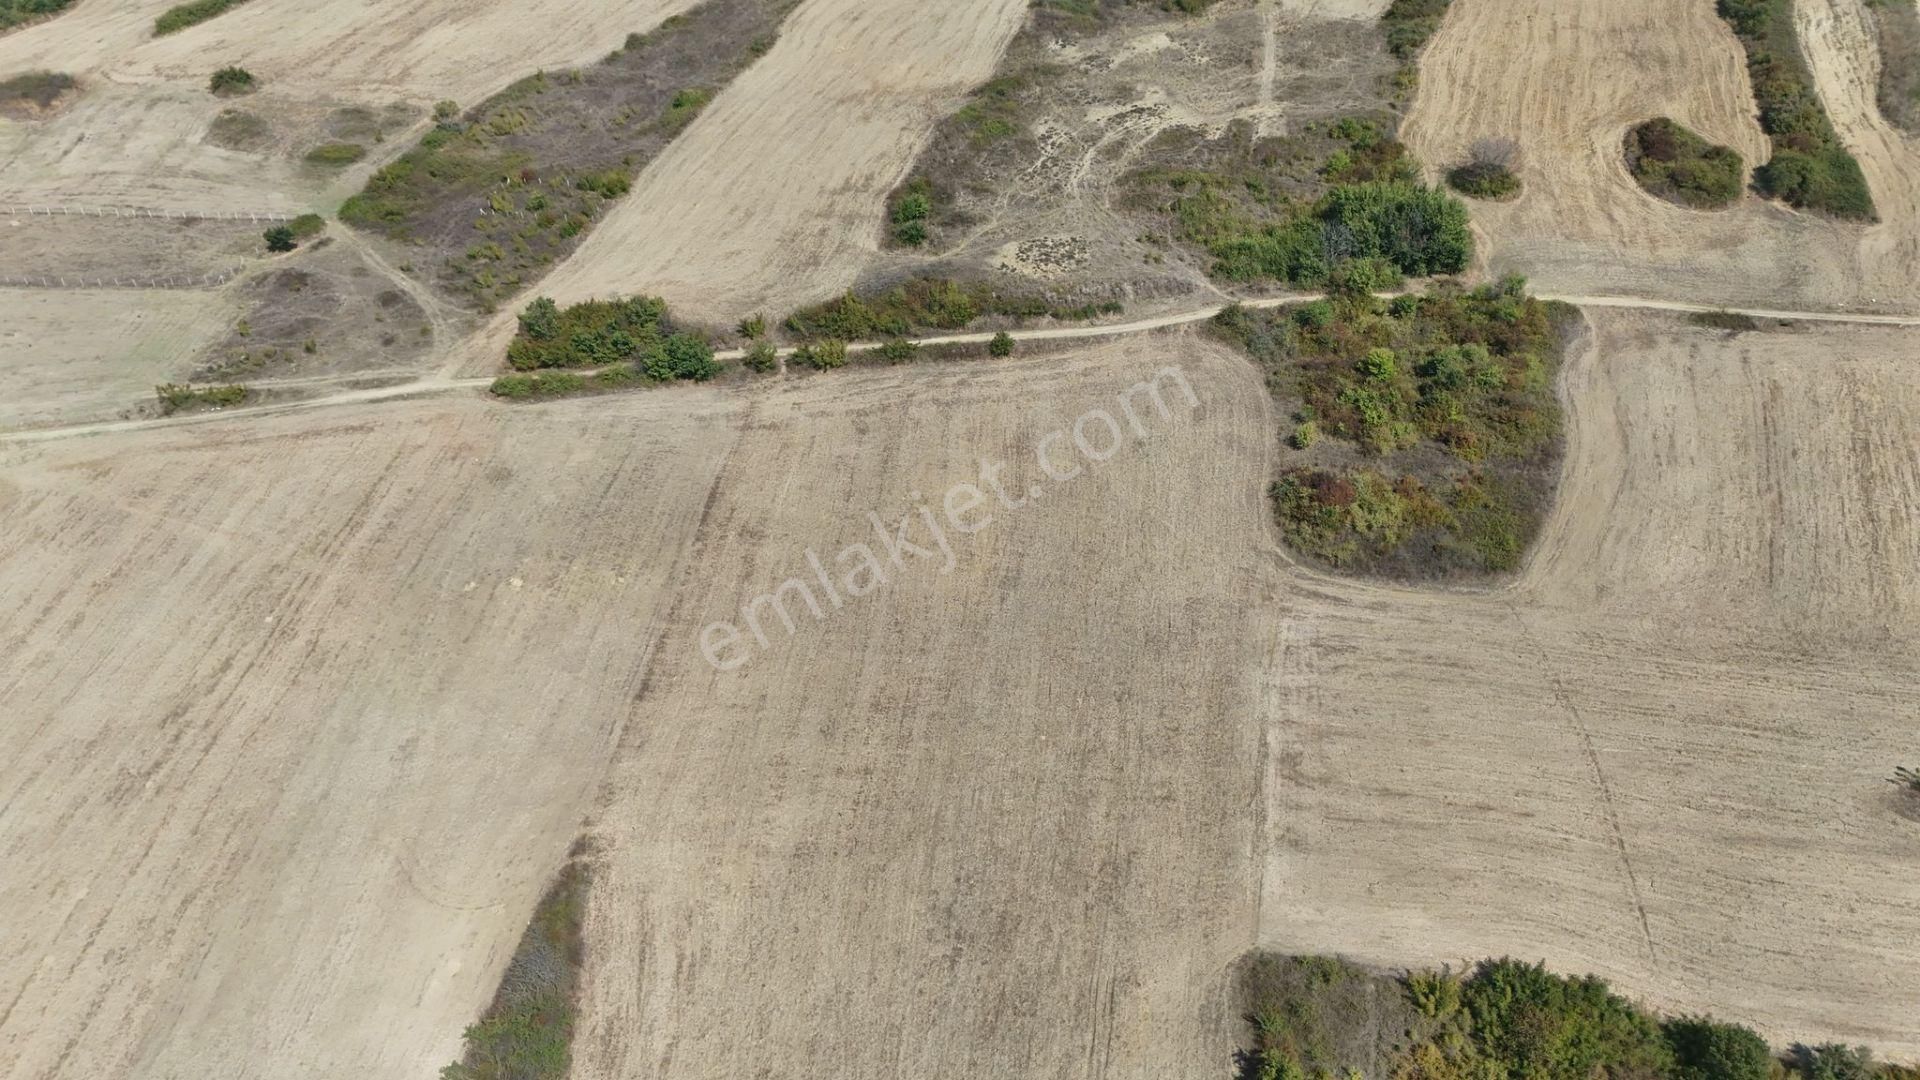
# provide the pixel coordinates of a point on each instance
(912, 207)
(1811, 168)
(762, 357)
(280, 238)
(821, 355)
(1832, 1061)
(1488, 171)
(1704, 1049)
(306, 226)
(1409, 24)
(39, 89)
(898, 350)
(1556, 1028)
(336, 154)
(1001, 345)
(537, 385)
(1678, 165)
(174, 397)
(182, 16)
(229, 81)
(926, 303)
(19, 12)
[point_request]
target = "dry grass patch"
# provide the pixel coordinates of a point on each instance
(35, 93)
(1898, 25)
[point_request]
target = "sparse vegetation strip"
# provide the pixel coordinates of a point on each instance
(527, 1032)
(1675, 164)
(1322, 1017)
(1425, 435)
(1811, 169)
(34, 91)
(181, 397)
(15, 13)
(181, 16)
(497, 195)
(1897, 23)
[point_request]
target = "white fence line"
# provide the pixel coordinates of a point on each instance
(140, 211)
(101, 281)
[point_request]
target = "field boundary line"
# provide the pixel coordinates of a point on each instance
(27, 210)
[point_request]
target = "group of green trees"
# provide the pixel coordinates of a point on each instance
(1674, 163)
(1811, 168)
(1501, 1020)
(634, 332)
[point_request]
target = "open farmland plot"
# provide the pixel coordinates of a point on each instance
(326, 700)
(1662, 755)
(773, 197)
(1549, 75)
(995, 822)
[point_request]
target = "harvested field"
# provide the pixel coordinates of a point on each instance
(1546, 73)
(989, 823)
(81, 354)
(131, 247)
(1662, 756)
(773, 197)
(327, 699)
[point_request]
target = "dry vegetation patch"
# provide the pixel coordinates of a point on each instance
(496, 196)
(35, 94)
(1898, 25)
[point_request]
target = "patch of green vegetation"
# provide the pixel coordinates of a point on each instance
(1811, 169)
(20, 12)
(508, 189)
(1724, 320)
(1488, 170)
(181, 16)
(280, 238)
(336, 154)
(527, 1032)
(175, 397)
(1410, 24)
(1674, 163)
(929, 304)
(229, 81)
(1907, 779)
(540, 384)
(823, 355)
(599, 333)
(306, 226)
(1322, 1017)
(993, 112)
(1001, 346)
(908, 209)
(1427, 433)
(1264, 214)
(40, 89)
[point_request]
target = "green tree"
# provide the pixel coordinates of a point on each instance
(1544, 1026)
(1704, 1049)
(280, 238)
(541, 319)
(1001, 345)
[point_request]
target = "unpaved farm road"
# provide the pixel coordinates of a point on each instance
(443, 382)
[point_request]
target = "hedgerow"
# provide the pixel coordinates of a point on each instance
(1811, 168)
(182, 16)
(1318, 1016)
(929, 304)
(600, 333)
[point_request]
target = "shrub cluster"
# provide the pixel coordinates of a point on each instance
(16, 12)
(1488, 171)
(231, 80)
(527, 1031)
(336, 154)
(599, 333)
(181, 16)
(39, 89)
(1410, 24)
(1811, 169)
(928, 303)
(1676, 164)
(174, 397)
(1320, 1016)
(912, 205)
(1446, 402)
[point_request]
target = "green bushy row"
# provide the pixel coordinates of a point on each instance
(15, 12)
(181, 16)
(1811, 169)
(927, 304)
(599, 333)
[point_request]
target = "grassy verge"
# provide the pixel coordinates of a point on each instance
(527, 1032)
(1811, 169)
(1426, 436)
(1673, 163)
(1337, 202)
(495, 196)
(181, 16)
(21, 12)
(923, 304)
(1317, 1016)
(1898, 25)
